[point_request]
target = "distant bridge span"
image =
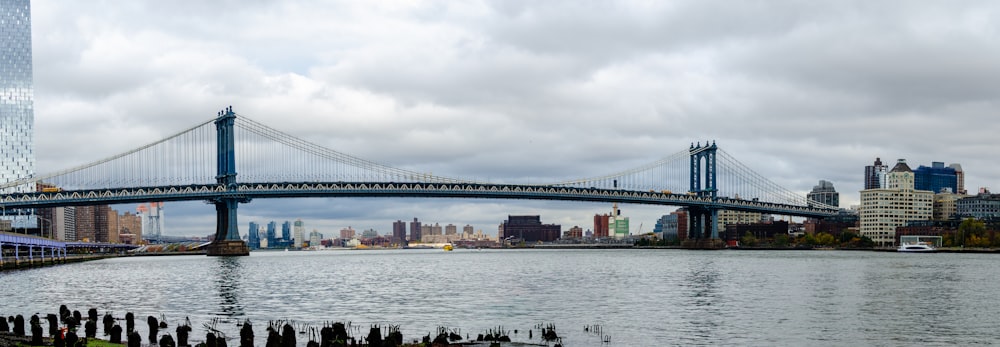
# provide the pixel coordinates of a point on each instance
(250, 191)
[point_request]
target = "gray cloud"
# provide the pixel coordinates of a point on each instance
(526, 91)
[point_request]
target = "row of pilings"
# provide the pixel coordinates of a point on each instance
(64, 330)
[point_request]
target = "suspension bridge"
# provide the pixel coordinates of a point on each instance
(255, 161)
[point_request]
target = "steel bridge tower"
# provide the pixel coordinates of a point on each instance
(703, 219)
(227, 235)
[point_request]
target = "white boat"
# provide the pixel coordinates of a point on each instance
(915, 247)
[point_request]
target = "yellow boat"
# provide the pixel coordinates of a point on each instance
(448, 248)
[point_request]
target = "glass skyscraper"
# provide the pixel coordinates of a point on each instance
(17, 157)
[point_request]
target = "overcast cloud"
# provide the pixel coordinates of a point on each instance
(798, 90)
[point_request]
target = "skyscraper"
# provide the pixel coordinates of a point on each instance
(272, 234)
(399, 232)
(92, 223)
(415, 232)
(875, 175)
(286, 231)
(824, 193)
(17, 115)
(960, 176)
(253, 236)
(935, 178)
(300, 233)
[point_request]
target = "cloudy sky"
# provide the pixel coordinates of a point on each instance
(527, 91)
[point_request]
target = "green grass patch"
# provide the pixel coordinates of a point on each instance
(90, 343)
(102, 343)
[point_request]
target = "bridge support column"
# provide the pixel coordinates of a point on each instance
(715, 224)
(704, 220)
(227, 235)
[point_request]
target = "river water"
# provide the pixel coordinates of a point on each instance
(637, 297)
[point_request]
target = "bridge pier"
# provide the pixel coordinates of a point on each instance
(227, 235)
(704, 223)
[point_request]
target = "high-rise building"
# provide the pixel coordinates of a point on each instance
(450, 229)
(946, 205)
(253, 236)
(92, 223)
(884, 209)
(436, 229)
(300, 233)
(935, 178)
(875, 175)
(58, 223)
(315, 238)
(369, 233)
(960, 177)
(152, 220)
(601, 225)
(286, 231)
(399, 232)
(347, 233)
(666, 227)
(468, 229)
(824, 193)
(124, 228)
(682, 223)
(113, 227)
(17, 115)
(415, 230)
(272, 234)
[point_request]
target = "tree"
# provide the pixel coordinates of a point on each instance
(748, 240)
(971, 227)
(809, 239)
(846, 237)
(865, 242)
(781, 240)
(824, 239)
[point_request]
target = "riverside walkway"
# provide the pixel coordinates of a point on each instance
(20, 250)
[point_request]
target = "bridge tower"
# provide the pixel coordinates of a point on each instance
(703, 219)
(227, 236)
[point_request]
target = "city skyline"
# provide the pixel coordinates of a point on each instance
(528, 92)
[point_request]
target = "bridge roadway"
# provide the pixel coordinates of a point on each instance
(249, 191)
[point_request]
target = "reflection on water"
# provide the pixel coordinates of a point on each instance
(229, 275)
(701, 297)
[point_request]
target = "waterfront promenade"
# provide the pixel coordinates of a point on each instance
(20, 250)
